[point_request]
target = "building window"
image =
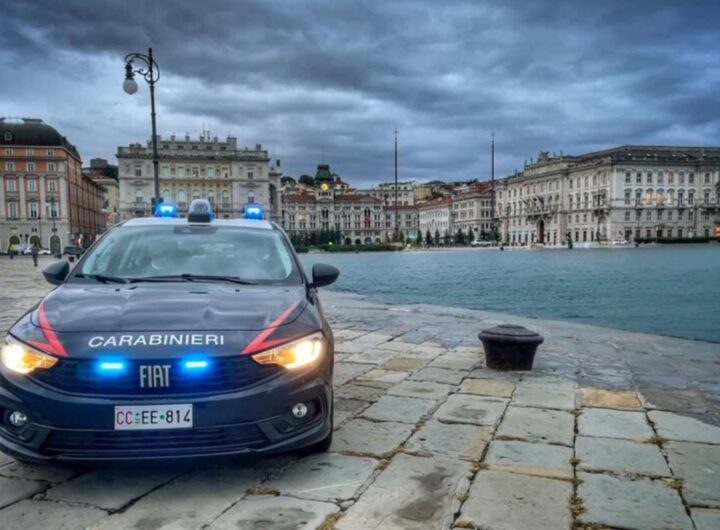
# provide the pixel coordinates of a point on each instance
(182, 198)
(627, 196)
(51, 152)
(32, 210)
(627, 216)
(138, 171)
(11, 185)
(139, 196)
(638, 178)
(29, 152)
(707, 178)
(8, 151)
(12, 209)
(196, 194)
(691, 178)
(627, 177)
(166, 171)
(9, 166)
(30, 166)
(52, 166)
(648, 215)
(210, 172)
(649, 177)
(52, 184)
(32, 185)
(250, 175)
(691, 197)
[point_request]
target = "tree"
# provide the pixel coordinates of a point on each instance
(401, 237)
(470, 236)
(307, 180)
(447, 238)
(428, 238)
(459, 237)
(437, 236)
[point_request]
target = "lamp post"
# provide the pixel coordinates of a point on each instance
(151, 72)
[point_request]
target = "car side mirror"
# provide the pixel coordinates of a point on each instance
(323, 275)
(55, 273)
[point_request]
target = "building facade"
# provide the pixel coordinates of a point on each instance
(435, 218)
(472, 212)
(106, 175)
(44, 196)
(331, 212)
(628, 192)
(386, 193)
(204, 167)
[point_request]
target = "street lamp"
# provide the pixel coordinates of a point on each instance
(151, 72)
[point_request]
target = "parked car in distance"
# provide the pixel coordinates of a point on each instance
(482, 243)
(27, 250)
(72, 250)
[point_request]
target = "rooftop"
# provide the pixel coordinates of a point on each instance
(32, 132)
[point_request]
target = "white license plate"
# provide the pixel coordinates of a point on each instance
(145, 417)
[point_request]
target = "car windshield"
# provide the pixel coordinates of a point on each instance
(188, 252)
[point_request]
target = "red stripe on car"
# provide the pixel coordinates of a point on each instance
(260, 343)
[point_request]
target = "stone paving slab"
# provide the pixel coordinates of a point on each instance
(112, 488)
(504, 501)
(15, 489)
(370, 437)
(620, 456)
(699, 467)
(420, 389)
(324, 477)
(345, 372)
(439, 375)
(467, 408)
(454, 440)
(640, 504)
(538, 425)
(614, 424)
(384, 376)
(399, 409)
(451, 361)
(405, 364)
(544, 397)
(212, 491)
(276, 513)
(544, 460)
(360, 392)
(706, 519)
(373, 356)
(487, 387)
(412, 493)
(32, 515)
(684, 428)
(610, 399)
(47, 473)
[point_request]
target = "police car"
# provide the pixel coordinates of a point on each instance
(172, 337)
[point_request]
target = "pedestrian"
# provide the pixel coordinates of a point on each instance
(11, 250)
(35, 251)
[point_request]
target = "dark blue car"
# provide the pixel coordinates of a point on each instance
(172, 337)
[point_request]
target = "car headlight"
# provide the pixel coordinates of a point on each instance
(23, 359)
(295, 354)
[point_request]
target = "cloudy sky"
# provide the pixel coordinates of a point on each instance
(302, 76)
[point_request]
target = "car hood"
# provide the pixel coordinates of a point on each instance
(74, 308)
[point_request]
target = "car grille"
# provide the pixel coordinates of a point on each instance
(148, 443)
(224, 374)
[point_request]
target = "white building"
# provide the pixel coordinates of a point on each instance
(330, 211)
(205, 167)
(471, 212)
(435, 217)
(386, 193)
(627, 193)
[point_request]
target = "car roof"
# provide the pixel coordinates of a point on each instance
(241, 223)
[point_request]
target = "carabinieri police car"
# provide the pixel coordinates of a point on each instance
(172, 337)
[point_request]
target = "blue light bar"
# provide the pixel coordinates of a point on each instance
(253, 211)
(111, 367)
(166, 209)
(195, 365)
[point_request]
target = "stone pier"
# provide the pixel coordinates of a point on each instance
(612, 429)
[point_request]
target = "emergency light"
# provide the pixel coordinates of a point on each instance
(200, 211)
(166, 209)
(253, 211)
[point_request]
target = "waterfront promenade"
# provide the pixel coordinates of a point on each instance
(612, 429)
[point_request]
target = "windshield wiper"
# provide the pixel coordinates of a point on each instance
(193, 278)
(102, 278)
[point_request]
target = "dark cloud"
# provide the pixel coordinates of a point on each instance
(303, 76)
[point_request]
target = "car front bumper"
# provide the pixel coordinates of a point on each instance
(256, 420)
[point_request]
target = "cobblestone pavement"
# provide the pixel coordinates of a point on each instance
(611, 429)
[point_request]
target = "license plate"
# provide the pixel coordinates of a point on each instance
(145, 417)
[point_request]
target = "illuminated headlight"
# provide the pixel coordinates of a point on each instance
(295, 354)
(23, 359)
